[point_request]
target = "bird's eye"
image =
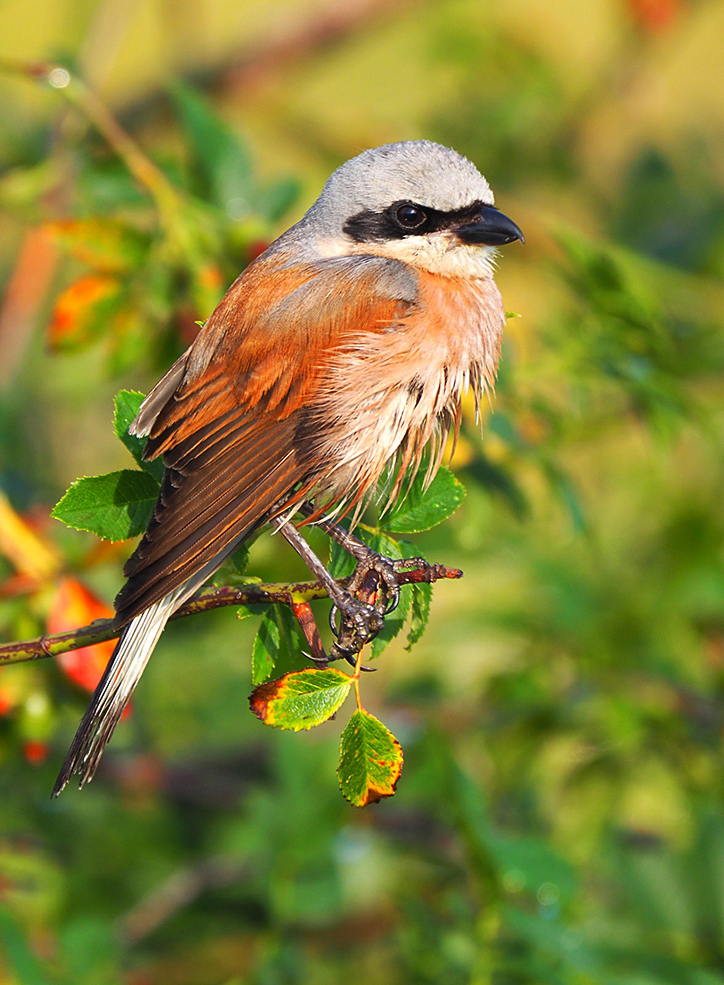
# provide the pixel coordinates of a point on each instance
(410, 216)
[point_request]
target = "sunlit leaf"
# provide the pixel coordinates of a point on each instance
(423, 508)
(300, 700)
(341, 563)
(370, 760)
(394, 622)
(240, 559)
(115, 506)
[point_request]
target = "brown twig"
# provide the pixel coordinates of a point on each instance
(286, 593)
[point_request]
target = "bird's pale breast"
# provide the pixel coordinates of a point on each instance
(394, 390)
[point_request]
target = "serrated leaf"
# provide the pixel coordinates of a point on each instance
(127, 405)
(388, 547)
(240, 558)
(419, 612)
(265, 650)
(422, 509)
(393, 623)
(300, 700)
(292, 643)
(370, 760)
(115, 506)
(341, 563)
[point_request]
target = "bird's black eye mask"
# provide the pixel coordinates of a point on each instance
(408, 219)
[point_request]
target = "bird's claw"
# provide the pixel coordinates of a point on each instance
(357, 618)
(355, 622)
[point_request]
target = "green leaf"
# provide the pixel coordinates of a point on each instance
(127, 405)
(252, 609)
(388, 547)
(265, 650)
(220, 157)
(341, 563)
(114, 506)
(419, 612)
(239, 559)
(422, 509)
(370, 760)
(292, 643)
(300, 700)
(393, 623)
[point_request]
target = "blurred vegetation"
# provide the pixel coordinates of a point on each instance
(560, 817)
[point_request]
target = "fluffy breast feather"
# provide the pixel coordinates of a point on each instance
(390, 391)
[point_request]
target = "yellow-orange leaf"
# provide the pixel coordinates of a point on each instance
(300, 700)
(82, 309)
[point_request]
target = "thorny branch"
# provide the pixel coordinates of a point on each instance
(297, 595)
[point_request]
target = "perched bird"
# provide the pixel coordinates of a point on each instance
(339, 353)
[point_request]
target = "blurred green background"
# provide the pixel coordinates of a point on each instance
(560, 815)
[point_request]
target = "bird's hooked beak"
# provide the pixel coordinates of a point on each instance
(492, 228)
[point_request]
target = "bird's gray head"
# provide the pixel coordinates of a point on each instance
(414, 200)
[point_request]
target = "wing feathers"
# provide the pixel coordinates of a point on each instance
(229, 417)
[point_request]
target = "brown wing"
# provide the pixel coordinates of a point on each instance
(227, 415)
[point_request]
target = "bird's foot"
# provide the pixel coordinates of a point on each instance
(360, 620)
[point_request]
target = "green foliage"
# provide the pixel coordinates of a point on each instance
(559, 820)
(116, 506)
(265, 650)
(127, 406)
(423, 508)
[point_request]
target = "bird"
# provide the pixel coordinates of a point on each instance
(339, 355)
